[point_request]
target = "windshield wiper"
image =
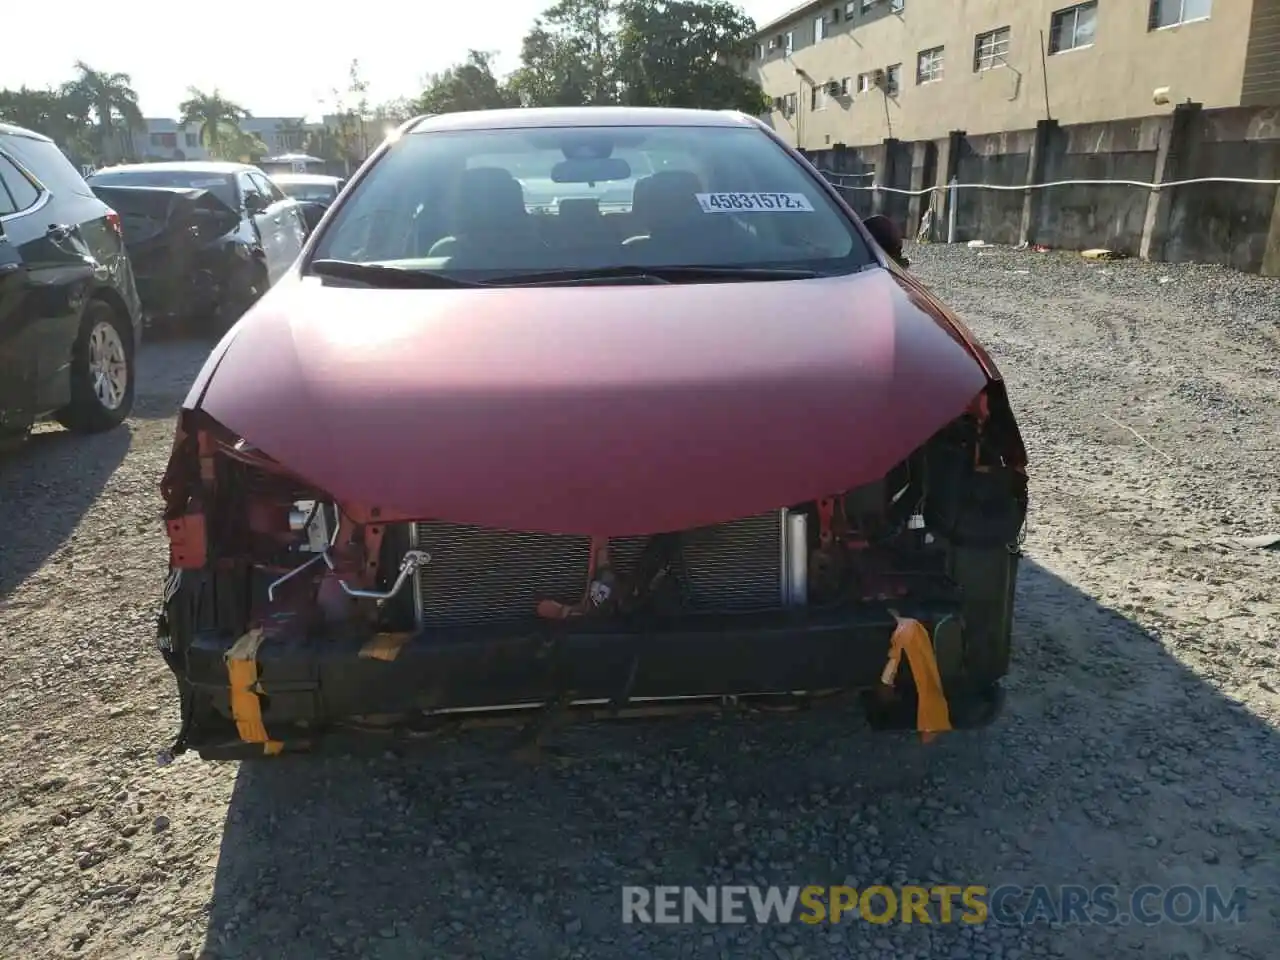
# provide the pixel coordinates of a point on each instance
(663, 274)
(381, 275)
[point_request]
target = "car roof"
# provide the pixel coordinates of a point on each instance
(9, 129)
(303, 178)
(192, 166)
(519, 117)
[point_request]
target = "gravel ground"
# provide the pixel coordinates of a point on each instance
(1139, 744)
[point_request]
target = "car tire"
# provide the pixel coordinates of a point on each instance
(245, 291)
(103, 378)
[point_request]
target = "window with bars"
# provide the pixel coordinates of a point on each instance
(991, 49)
(1073, 27)
(929, 65)
(819, 29)
(893, 80)
(1170, 13)
(789, 43)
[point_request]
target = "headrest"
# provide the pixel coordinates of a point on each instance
(667, 197)
(488, 196)
(580, 208)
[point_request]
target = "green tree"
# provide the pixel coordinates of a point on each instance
(550, 75)
(113, 103)
(62, 118)
(245, 147)
(470, 85)
(217, 119)
(349, 139)
(570, 56)
(394, 112)
(686, 53)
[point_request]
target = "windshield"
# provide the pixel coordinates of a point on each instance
(313, 192)
(220, 185)
(489, 203)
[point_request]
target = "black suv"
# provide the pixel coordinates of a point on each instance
(70, 319)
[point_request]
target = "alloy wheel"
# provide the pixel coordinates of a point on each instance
(108, 365)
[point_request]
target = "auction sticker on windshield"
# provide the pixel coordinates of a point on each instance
(753, 202)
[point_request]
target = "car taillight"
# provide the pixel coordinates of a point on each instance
(113, 220)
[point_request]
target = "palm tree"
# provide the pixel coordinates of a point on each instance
(114, 104)
(218, 119)
(247, 148)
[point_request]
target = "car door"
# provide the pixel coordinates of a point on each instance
(264, 223)
(287, 212)
(45, 277)
(17, 359)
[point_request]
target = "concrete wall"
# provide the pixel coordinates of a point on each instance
(1001, 158)
(1227, 223)
(1214, 61)
(1233, 224)
(1111, 217)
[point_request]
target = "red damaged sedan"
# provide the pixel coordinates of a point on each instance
(588, 412)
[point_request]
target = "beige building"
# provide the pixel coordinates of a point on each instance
(860, 71)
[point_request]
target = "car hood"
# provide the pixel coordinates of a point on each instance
(603, 410)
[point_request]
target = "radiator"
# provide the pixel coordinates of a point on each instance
(483, 576)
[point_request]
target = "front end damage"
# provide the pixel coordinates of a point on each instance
(290, 619)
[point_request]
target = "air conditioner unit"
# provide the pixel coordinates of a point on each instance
(778, 104)
(833, 88)
(877, 77)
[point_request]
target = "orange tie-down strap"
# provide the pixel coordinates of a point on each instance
(242, 675)
(910, 636)
(384, 646)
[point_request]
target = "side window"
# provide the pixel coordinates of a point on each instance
(47, 164)
(19, 193)
(248, 187)
(268, 188)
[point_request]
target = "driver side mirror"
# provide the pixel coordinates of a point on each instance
(255, 203)
(886, 233)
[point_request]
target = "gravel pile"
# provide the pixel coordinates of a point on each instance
(1140, 742)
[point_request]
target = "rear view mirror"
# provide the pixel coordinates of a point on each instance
(590, 170)
(886, 233)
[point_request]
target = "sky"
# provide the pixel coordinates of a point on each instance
(283, 60)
